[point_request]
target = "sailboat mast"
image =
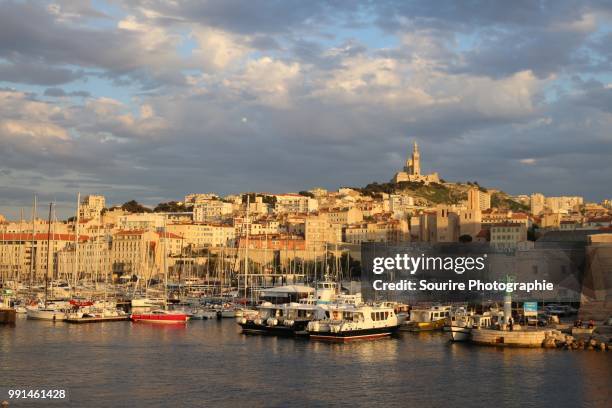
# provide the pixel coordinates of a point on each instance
(75, 271)
(32, 243)
(48, 253)
(246, 248)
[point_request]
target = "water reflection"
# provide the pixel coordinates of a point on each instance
(212, 363)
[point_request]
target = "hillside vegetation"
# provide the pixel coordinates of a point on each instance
(439, 193)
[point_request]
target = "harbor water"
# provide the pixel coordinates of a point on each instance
(210, 363)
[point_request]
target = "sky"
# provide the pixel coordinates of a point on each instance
(151, 100)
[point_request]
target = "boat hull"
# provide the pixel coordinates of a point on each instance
(424, 326)
(159, 318)
(460, 333)
(278, 330)
(42, 314)
(354, 335)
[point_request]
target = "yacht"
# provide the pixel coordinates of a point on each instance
(49, 311)
(346, 322)
(288, 319)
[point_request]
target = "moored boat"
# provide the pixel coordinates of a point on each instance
(349, 323)
(433, 318)
(160, 316)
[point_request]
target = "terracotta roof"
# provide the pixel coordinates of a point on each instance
(25, 236)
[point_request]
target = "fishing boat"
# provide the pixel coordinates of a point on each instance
(433, 318)
(350, 322)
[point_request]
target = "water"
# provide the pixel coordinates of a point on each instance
(210, 363)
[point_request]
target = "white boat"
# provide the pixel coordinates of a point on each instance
(349, 322)
(45, 313)
(148, 302)
(461, 329)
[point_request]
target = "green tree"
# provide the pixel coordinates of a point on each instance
(134, 207)
(170, 206)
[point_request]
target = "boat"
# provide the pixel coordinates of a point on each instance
(148, 302)
(285, 319)
(288, 319)
(160, 316)
(48, 312)
(433, 318)
(353, 322)
(461, 328)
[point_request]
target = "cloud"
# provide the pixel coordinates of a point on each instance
(60, 93)
(176, 97)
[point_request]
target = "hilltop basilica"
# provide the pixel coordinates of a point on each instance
(412, 170)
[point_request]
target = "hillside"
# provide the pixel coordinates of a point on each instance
(440, 193)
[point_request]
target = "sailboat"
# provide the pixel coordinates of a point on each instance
(48, 311)
(162, 315)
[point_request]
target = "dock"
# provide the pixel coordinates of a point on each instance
(7, 316)
(505, 338)
(84, 320)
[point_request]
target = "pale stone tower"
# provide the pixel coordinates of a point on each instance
(413, 164)
(416, 160)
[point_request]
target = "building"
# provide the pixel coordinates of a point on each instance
(393, 231)
(478, 200)
(295, 204)
(94, 259)
(141, 221)
(274, 242)
(344, 216)
(439, 225)
(537, 203)
(318, 231)
(211, 210)
(563, 204)
(204, 235)
(507, 236)
(22, 254)
(192, 199)
(141, 252)
(91, 207)
(412, 170)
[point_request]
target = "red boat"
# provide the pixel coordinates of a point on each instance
(160, 316)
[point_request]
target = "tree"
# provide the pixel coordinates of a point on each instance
(465, 238)
(170, 206)
(134, 207)
(306, 194)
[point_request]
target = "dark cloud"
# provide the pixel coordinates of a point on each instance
(59, 92)
(285, 96)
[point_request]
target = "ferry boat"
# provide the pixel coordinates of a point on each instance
(349, 322)
(160, 316)
(434, 318)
